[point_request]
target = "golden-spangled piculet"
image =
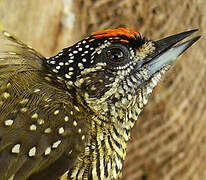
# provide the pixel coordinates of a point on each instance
(70, 116)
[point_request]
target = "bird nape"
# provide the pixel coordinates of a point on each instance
(70, 116)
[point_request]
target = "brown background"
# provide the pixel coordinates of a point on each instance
(169, 140)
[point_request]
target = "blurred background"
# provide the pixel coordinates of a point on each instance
(169, 139)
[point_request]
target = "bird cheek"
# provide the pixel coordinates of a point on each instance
(94, 89)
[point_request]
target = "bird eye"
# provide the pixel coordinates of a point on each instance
(115, 55)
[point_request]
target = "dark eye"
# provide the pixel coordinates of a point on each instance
(115, 55)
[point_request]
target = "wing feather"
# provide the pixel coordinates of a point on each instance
(38, 136)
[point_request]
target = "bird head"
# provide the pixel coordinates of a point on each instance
(115, 70)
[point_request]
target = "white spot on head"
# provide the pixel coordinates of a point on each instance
(58, 67)
(67, 76)
(87, 46)
(52, 62)
(56, 144)
(79, 49)
(71, 61)
(79, 131)
(71, 69)
(84, 60)
(61, 63)
(54, 70)
(8, 122)
(32, 152)
(47, 151)
(16, 149)
(80, 65)
(75, 52)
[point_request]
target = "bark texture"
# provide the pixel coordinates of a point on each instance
(169, 140)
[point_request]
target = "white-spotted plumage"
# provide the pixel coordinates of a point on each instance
(37, 115)
(6, 95)
(8, 122)
(77, 107)
(40, 121)
(33, 127)
(75, 123)
(61, 130)
(47, 130)
(66, 118)
(32, 152)
(47, 151)
(16, 148)
(56, 144)
(34, 116)
(37, 90)
(56, 112)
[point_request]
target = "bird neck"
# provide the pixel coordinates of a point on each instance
(104, 151)
(106, 145)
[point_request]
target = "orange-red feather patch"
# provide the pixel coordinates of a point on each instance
(115, 33)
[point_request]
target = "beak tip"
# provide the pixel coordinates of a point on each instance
(187, 44)
(193, 30)
(169, 53)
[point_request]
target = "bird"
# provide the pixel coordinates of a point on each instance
(69, 116)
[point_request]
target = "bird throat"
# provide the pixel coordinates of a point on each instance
(105, 151)
(111, 124)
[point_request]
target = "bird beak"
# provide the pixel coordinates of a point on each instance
(165, 52)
